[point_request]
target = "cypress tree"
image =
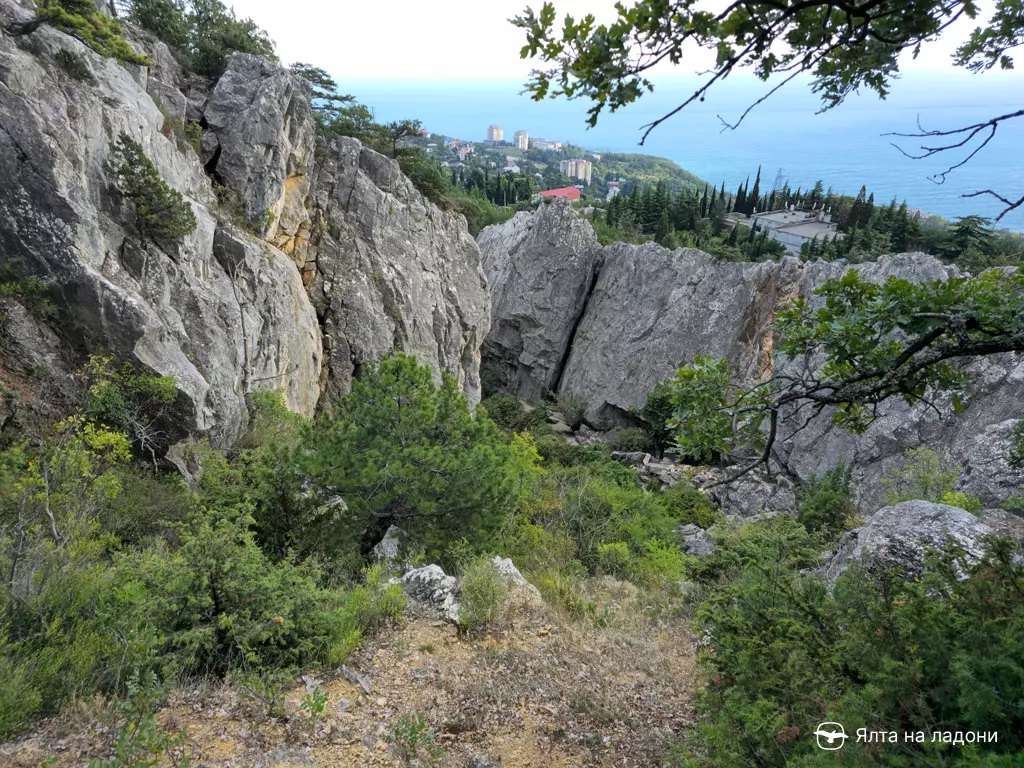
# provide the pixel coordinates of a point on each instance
(740, 198)
(704, 203)
(755, 193)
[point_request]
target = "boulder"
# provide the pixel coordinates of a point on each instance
(696, 541)
(541, 267)
(431, 586)
(387, 549)
(508, 571)
(899, 537)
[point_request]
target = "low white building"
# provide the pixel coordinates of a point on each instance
(793, 228)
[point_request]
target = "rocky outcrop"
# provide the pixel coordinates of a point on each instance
(393, 271)
(341, 262)
(651, 310)
(541, 267)
(900, 536)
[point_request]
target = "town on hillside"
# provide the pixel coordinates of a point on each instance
(638, 198)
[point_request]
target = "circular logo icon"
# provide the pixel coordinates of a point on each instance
(830, 736)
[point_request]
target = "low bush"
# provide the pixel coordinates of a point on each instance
(630, 439)
(98, 30)
(511, 415)
(573, 408)
(685, 504)
(921, 474)
(825, 503)
(877, 653)
(482, 597)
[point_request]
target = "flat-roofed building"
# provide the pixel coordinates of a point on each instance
(793, 228)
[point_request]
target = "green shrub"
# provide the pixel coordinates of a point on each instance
(508, 413)
(943, 653)
(410, 738)
(656, 412)
(555, 451)
(825, 503)
(193, 133)
(99, 31)
(142, 743)
(963, 500)
(231, 210)
(425, 175)
(402, 451)
(573, 408)
(685, 504)
(1016, 456)
(74, 65)
(922, 474)
(224, 604)
(204, 32)
(483, 596)
(781, 540)
(161, 211)
(134, 404)
(630, 439)
(148, 505)
(614, 558)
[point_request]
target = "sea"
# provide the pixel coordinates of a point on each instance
(787, 136)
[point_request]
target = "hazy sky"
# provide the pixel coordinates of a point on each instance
(443, 39)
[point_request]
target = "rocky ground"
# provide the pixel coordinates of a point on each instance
(543, 690)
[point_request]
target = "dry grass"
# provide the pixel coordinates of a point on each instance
(545, 690)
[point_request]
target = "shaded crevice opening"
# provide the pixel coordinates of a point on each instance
(570, 343)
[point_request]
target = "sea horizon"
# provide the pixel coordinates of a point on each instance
(844, 147)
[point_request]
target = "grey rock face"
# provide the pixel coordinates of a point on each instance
(652, 309)
(899, 537)
(541, 267)
(350, 247)
(260, 137)
(986, 473)
(393, 272)
(173, 309)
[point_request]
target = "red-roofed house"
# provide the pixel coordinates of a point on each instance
(570, 192)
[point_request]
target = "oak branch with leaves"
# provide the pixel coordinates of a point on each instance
(845, 353)
(844, 45)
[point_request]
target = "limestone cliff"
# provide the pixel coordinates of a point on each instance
(346, 261)
(651, 309)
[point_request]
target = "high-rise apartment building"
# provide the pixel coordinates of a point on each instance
(576, 169)
(522, 140)
(495, 133)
